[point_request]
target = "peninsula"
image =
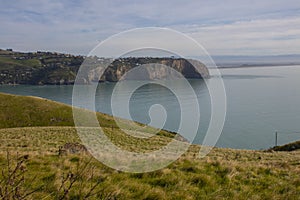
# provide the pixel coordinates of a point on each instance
(51, 68)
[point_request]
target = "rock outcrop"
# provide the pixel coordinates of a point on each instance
(153, 68)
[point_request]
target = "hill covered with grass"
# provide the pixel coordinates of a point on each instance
(21, 111)
(33, 166)
(52, 68)
(38, 67)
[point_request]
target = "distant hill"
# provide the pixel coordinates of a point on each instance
(248, 61)
(51, 68)
(38, 67)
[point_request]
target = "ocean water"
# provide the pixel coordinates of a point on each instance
(260, 101)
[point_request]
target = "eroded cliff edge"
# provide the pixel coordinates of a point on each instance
(50, 68)
(152, 69)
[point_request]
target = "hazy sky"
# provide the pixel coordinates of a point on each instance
(223, 27)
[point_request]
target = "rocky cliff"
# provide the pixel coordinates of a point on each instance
(153, 68)
(43, 68)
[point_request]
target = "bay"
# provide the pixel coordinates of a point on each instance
(260, 101)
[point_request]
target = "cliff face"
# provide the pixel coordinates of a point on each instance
(153, 69)
(48, 68)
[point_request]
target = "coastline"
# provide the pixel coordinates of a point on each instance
(256, 66)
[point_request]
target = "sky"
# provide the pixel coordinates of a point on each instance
(222, 27)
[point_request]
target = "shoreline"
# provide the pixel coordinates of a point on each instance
(257, 66)
(274, 148)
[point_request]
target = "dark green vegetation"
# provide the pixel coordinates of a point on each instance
(37, 170)
(40, 68)
(287, 147)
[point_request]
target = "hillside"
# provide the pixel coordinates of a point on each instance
(32, 163)
(27, 111)
(38, 67)
(51, 68)
(21, 111)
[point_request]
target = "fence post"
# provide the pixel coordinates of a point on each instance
(276, 138)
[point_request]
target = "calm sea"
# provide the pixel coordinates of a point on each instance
(260, 101)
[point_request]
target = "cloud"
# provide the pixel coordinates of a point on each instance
(266, 36)
(231, 27)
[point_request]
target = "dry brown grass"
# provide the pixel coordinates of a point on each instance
(223, 174)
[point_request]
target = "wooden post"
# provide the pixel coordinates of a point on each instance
(276, 138)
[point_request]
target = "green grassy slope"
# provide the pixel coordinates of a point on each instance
(27, 111)
(24, 111)
(21, 111)
(223, 174)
